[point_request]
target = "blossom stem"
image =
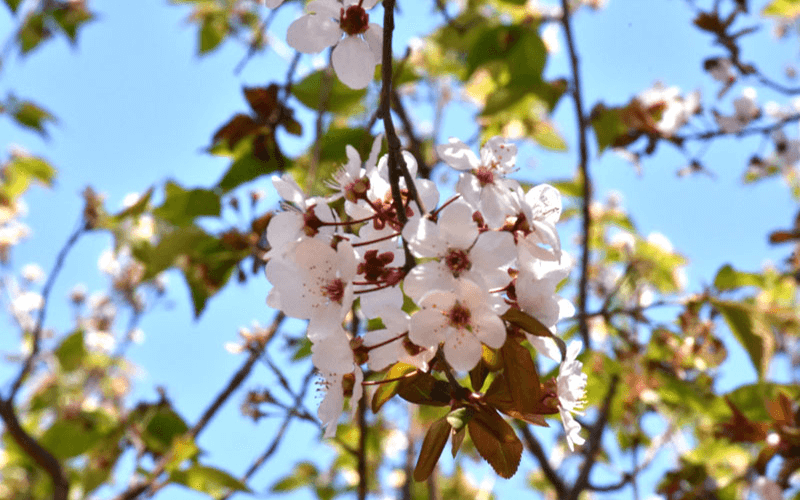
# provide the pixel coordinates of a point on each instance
(350, 222)
(451, 200)
(379, 287)
(377, 240)
(386, 342)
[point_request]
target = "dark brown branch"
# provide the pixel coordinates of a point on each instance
(363, 430)
(583, 286)
(37, 331)
(592, 446)
(41, 456)
(536, 449)
(415, 145)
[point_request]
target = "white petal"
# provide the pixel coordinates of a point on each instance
(427, 327)
(353, 62)
(462, 350)
(489, 328)
(456, 226)
(571, 428)
(312, 33)
(426, 278)
(368, 4)
(272, 4)
(458, 155)
(374, 37)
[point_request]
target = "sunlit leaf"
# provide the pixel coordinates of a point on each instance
(749, 327)
(208, 480)
(182, 206)
(496, 442)
(337, 98)
(385, 392)
(71, 351)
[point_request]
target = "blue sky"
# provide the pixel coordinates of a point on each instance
(136, 106)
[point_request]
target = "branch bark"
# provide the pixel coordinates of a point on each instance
(583, 287)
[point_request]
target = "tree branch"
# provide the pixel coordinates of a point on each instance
(48, 288)
(583, 287)
(151, 483)
(536, 449)
(593, 443)
(40, 455)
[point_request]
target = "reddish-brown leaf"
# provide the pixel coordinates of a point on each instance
(263, 100)
(425, 389)
(431, 450)
(237, 128)
(522, 376)
(496, 442)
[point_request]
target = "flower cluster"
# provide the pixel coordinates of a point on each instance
(439, 276)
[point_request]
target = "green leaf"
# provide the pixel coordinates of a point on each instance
(496, 442)
(32, 33)
(608, 126)
(459, 418)
(208, 480)
(20, 171)
(340, 98)
(431, 450)
(31, 116)
(13, 4)
(70, 438)
(213, 30)
(162, 427)
(304, 474)
(386, 391)
(782, 8)
(71, 352)
(247, 166)
(518, 47)
(182, 206)
(546, 135)
(730, 279)
(749, 326)
(183, 448)
(70, 18)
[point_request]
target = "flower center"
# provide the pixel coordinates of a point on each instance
(485, 175)
(457, 261)
(334, 290)
(354, 20)
(459, 316)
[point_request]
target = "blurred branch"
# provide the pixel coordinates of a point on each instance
(592, 447)
(766, 129)
(415, 145)
(273, 446)
(39, 454)
(583, 287)
(151, 483)
(326, 84)
(46, 291)
(363, 429)
(536, 449)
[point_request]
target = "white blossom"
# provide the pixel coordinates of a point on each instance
(355, 56)
(571, 387)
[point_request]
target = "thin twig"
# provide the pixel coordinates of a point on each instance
(273, 446)
(150, 483)
(37, 331)
(583, 287)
